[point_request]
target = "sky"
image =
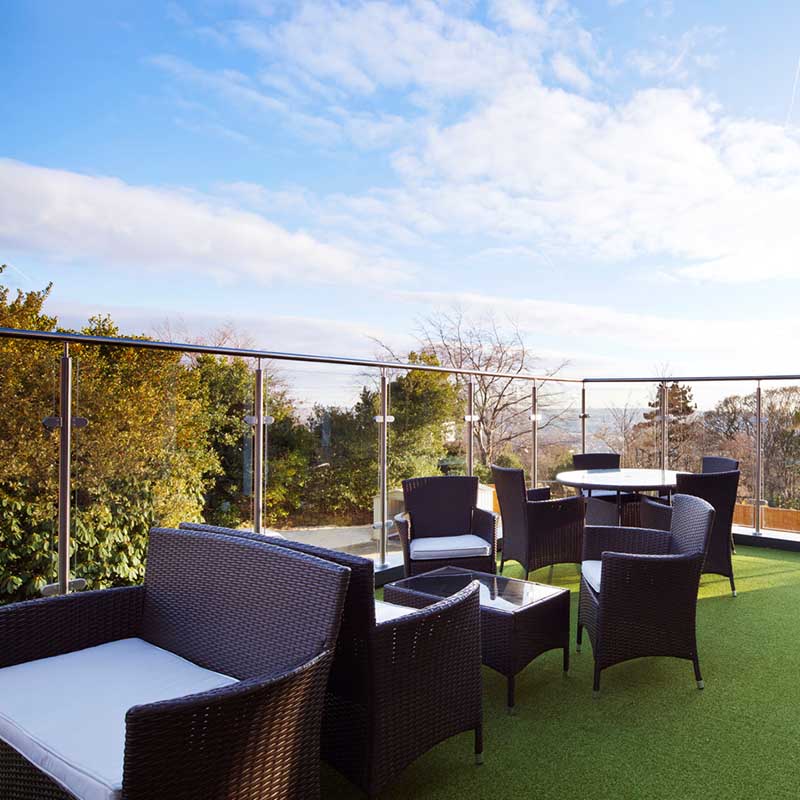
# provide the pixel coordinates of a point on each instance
(619, 178)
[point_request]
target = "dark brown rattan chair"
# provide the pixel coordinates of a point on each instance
(596, 514)
(639, 587)
(445, 508)
(719, 464)
(396, 688)
(260, 614)
(719, 489)
(537, 533)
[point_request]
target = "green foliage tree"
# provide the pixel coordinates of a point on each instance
(143, 460)
(425, 406)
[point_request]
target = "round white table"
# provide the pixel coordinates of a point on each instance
(619, 481)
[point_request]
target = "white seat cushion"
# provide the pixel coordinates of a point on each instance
(434, 547)
(387, 611)
(66, 714)
(591, 571)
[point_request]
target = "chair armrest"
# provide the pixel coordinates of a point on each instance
(654, 514)
(53, 626)
(262, 732)
(536, 495)
(403, 524)
(484, 524)
(598, 539)
(427, 665)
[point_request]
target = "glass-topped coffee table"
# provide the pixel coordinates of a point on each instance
(520, 620)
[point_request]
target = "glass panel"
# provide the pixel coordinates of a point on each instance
(559, 432)
(145, 457)
(496, 591)
(623, 419)
(781, 456)
(724, 425)
(323, 482)
(28, 464)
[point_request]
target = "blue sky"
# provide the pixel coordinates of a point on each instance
(621, 178)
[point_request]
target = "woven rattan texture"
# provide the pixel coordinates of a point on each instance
(648, 598)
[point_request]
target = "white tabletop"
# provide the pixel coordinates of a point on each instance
(625, 480)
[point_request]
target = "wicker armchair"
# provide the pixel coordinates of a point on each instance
(639, 587)
(397, 687)
(442, 526)
(251, 627)
(719, 489)
(537, 533)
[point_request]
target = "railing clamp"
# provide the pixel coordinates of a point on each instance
(252, 420)
(54, 423)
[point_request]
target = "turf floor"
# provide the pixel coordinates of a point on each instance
(651, 733)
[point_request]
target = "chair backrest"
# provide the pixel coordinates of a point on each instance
(441, 505)
(509, 484)
(719, 489)
(719, 464)
(595, 461)
(238, 606)
(349, 676)
(359, 608)
(690, 527)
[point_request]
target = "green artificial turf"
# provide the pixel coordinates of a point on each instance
(651, 733)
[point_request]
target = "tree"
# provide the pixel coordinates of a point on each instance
(502, 405)
(143, 460)
(426, 412)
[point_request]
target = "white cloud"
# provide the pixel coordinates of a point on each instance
(592, 336)
(73, 217)
(569, 73)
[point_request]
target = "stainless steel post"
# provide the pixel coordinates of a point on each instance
(759, 466)
(664, 434)
(258, 451)
(534, 437)
(584, 417)
(470, 420)
(64, 470)
(384, 453)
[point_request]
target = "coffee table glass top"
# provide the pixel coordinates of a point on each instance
(502, 594)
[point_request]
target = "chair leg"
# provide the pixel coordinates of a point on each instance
(579, 642)
(479, 744)
(733, 586)
(596, 685)
(697, 676)
(502, 565)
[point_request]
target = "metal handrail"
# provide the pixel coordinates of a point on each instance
(241, 352)
(695, 379)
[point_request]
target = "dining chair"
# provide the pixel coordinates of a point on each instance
(717, 488)
(537, 533)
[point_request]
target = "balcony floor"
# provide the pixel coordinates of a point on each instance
(651, 734)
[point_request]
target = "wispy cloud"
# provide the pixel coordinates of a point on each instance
(67, 216)
(678, 58)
